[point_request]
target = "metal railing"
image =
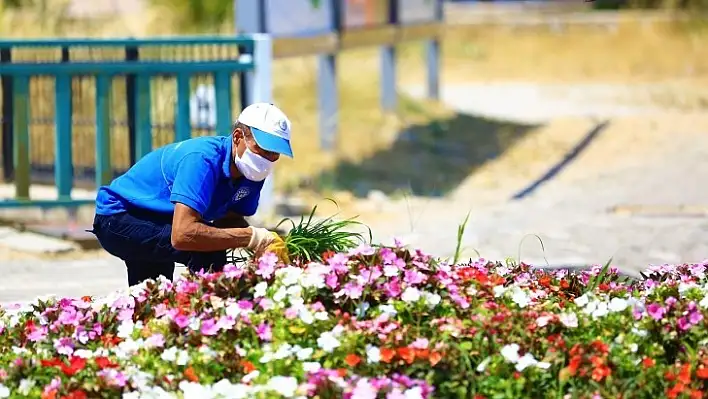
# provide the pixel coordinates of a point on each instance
(79, 108)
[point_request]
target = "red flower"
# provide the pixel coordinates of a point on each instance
(75, 365)
(75, 395)
(435, 358)
(702, 373)
(190, 375)
(575, 362)
(564, 284)
(599, 373)
(342, 372)
(352, 360)
(387, 355)
(648, 362)
(545, 281)
(600, 346)
(51, 362)
(696, 394)
(684, 376)
(103, 363)
(406, 354)
(673, 393)
(326, 255)
(248, 367)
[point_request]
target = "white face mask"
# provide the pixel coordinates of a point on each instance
(253, 166)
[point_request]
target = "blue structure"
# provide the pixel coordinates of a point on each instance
(142, 70)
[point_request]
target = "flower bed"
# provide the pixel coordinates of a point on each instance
(371, 323)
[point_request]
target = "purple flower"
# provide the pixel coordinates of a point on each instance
(245, 304)
(414, 277)
(670, 301)
(695, 317)
(38, 334)
(264, 332)
(209, 327)
(69, 317)
(231, 271)
(656, 311)
(332, 281)
(683, 324)
(392, 288)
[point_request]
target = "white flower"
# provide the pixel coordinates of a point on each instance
(322, 315)
(525, 361)
(569, 320)
(373, 354)
(169, 355)
(305, 353)
(26, 386)
(311, 367)
(314, 277)
(327, 341)
(391, 271)
(291, 275)
(306, 316)
(483, 365)
(410, 294)
(542, 321)
(125, 329)
(280, 294)
(388, 309)
(543, 365)
(250, 376)
(83, 353)
(511, 353)
(4, 391)
(704, 302)
(432, 299)
(193, 390)
(499, 290)
(633, 347)
(618, 304)
(224, 388)
(413, 393)
(601, 310)
(286, 386)
(260, 289)
(520, 297)
(182, 358)
(582, 300)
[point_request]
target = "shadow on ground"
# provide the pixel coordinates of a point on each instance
(425, 160)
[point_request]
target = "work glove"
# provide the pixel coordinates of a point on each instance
(263, 240)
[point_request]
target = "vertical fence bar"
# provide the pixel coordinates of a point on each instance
(104, 171)
(388, 64)
(250, 18)
(63, 168)
(21, 137)
(131, 54)
(432, 57)
(143, 120)
(183, 128)
(7, 113)
(328, 99)
(222, 81)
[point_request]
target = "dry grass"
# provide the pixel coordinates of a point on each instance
(631, 53)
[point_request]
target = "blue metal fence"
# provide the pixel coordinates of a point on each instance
(100, 94)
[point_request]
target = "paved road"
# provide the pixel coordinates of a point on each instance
(659, 158)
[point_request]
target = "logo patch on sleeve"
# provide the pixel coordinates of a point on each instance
(241, 193)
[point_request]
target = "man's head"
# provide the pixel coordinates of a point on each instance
(260, 136)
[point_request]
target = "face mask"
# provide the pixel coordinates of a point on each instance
(253, 166)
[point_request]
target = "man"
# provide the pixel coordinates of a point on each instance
(186, 202)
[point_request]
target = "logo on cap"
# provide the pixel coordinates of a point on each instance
(283, 125)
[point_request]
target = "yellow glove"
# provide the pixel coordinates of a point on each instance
(279, 248)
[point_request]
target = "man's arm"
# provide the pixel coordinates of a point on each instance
(231, 220)
(189, 233)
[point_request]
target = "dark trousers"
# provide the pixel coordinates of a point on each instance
(142, 241)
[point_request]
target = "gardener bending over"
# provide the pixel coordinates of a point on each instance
(186, 202)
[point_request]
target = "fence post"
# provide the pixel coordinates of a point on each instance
(131, 54)
(8, 166)
(183, 128)
(432, 56)
(143, 123)
(104, 169)
(327, 94)
(20, 124)
(222, 83)
(388, 64)
(63, 167)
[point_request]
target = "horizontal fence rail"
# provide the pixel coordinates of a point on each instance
(79, 109)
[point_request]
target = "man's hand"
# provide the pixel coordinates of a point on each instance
(260, 239)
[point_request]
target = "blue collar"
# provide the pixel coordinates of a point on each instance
(226, 169)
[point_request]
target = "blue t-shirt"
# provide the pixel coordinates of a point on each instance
(194, 172)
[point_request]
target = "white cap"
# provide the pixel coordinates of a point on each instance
(270, 127)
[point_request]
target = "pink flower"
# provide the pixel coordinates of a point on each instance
(64, 346)
(332, 281)
(414, 277)
(69, 317)
(226, 323)
(670, 301)
(339, 263)
(656, 311)
(125, 314)
(353, 290)
(245, 304)
(264, 332)
(266, 265)
(181, 320)
(38, 334)
(231, 271)
(392, 288)
(209, 327)
(420, 343)
(290, 313)
(155, 341)
(362, 249)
